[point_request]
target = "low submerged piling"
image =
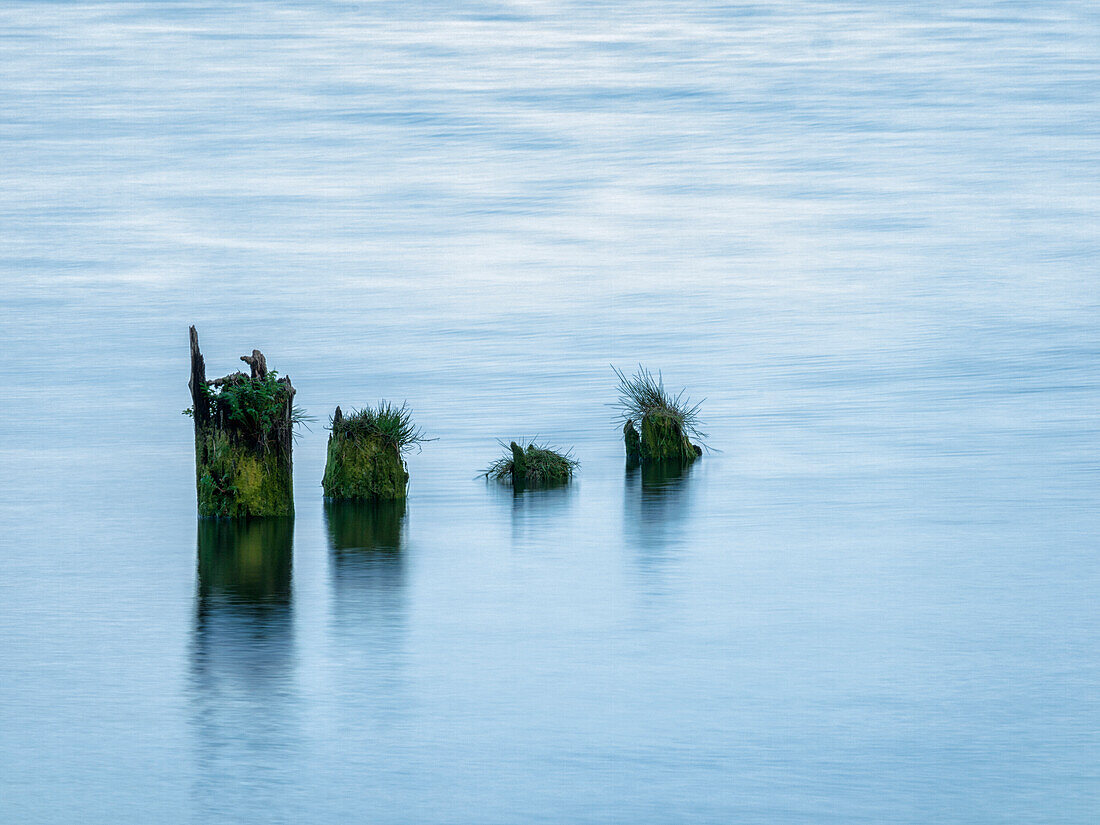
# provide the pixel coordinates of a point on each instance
(535, 466)
(243, 439)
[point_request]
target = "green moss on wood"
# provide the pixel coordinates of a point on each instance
(363, 467)
(519, 462)
(364, 453)
(663, 439)
(237, 480)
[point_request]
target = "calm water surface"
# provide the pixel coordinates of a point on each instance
(867, 233)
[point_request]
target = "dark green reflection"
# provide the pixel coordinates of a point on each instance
(365, 539)
(661, 476)
(242, 661)
(368, 582)
(243, 620)
(657, 498)
(519, 488)
(369, 525)
(245, 562)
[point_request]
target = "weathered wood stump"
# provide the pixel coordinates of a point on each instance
(361, 464)
(243, 439)
(519, 464)
(633, 443)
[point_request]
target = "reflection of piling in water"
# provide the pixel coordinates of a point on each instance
(366, 552)
(372, 525)
(538, 513)
(665, 487)
(245, 562)
(243, 614)
(368, 583)
(655, 519)
(242, 667)
(661, 477)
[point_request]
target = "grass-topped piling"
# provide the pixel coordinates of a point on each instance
(535, 466)
(666, 421)
(364, 453)
(244, 426)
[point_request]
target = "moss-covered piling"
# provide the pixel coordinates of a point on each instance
(363, 467)
(243, 439)
(364, 454)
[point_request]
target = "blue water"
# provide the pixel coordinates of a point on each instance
(866, 233)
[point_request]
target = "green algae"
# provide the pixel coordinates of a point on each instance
(364, 460)
(663, 439)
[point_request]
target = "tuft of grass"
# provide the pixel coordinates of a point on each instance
(387, 422)
(643, 395)
(542, 465)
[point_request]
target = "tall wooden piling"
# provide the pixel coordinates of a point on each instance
(243, 439)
